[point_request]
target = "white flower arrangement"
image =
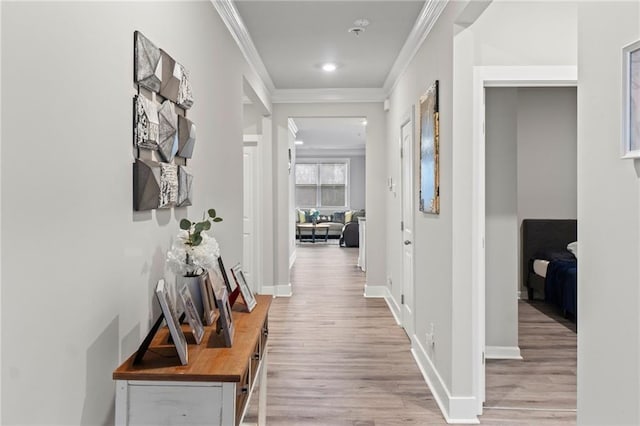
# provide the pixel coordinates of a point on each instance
(193, 252)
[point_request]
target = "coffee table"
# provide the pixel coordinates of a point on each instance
(313, 227)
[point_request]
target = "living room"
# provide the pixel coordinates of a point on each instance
(328, 174)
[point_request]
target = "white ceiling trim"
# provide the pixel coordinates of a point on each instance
(425, 22)
(289, 96)
(230, 16)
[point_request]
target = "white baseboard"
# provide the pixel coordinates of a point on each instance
(284, 290)
(375, 291)
(455, 410)
(292, 258)
(502, 352)
(393, 307)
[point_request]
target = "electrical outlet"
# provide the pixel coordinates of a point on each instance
(389, 282)
(430, 337)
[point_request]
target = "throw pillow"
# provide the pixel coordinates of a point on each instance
(338, 217)
(301, 216)
(347, 216)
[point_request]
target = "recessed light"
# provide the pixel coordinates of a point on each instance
(299, 142)
(364, 122)
(329, 67)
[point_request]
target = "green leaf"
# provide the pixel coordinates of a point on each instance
(197, 239)
(200, 226)
(212, 213)
(185, 224)
(217, 219)
(207, 225)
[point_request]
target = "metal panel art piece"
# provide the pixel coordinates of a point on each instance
(168, 135)
(186, 137)
(146, 124)
(146, 185)
(147, 63)
(430, 151)
(168, 185)
(185, 180)
(175, 82)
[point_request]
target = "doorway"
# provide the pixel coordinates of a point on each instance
(327, 184)
(494, 77)
(407, 132)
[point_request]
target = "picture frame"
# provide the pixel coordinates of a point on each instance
(192, 314)
(245, 290)
(225, 277)
(430, 150)
(170, 316)
(208, 299)
(631, 100)
(225, 324)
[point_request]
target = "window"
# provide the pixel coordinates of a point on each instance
(321, 184)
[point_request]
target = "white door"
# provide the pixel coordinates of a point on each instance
(250, 166)
(406, 135)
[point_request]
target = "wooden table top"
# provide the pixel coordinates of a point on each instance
(208, 361)
(312, 225)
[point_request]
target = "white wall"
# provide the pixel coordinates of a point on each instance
(375, 161)
(78, 280)
(501, 226)
(547, 153)
(357, 169)
(608, 223)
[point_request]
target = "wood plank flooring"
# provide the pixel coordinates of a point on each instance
(336, 358)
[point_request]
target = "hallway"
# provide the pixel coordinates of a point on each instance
(336, 358)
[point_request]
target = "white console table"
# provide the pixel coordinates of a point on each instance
(213, 389)
(362, 261)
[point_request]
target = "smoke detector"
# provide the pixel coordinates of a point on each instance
(360, 26)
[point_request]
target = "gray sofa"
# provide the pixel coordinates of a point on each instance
(335, 220)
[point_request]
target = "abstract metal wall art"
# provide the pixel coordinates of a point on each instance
(147, 64)
(186, 137)
(168, 135)
(146, 185)
(168, 185)
(146, 124)
(159, 179)
(175, 82)
(185, 180)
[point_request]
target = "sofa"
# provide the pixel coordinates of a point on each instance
(336, 220)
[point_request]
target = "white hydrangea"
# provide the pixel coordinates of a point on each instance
(186, 260)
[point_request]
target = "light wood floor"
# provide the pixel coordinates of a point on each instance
(336, 358)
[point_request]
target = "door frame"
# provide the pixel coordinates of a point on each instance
(255, 141)
(408, 118)
(483, 77)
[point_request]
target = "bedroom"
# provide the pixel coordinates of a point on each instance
(531, 175)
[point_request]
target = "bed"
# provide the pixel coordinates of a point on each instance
(549, 269)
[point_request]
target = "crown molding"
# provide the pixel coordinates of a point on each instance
(317, 152)
(291, 96)
(426, 20)
(238, 30)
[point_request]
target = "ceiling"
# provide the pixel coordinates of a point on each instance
(294, 38)
(291, 39)
(338, 134)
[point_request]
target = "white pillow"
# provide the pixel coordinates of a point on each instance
(573, 248)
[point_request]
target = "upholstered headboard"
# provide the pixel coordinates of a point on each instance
(540, 234)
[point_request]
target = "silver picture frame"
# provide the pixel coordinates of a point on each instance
(192, 314)
(245, 290)
(170, 316)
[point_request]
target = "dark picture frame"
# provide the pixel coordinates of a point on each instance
(192, 314)
(631, 100)
(430, 150)
(245, 290)
(169, 313)
(225, 324)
